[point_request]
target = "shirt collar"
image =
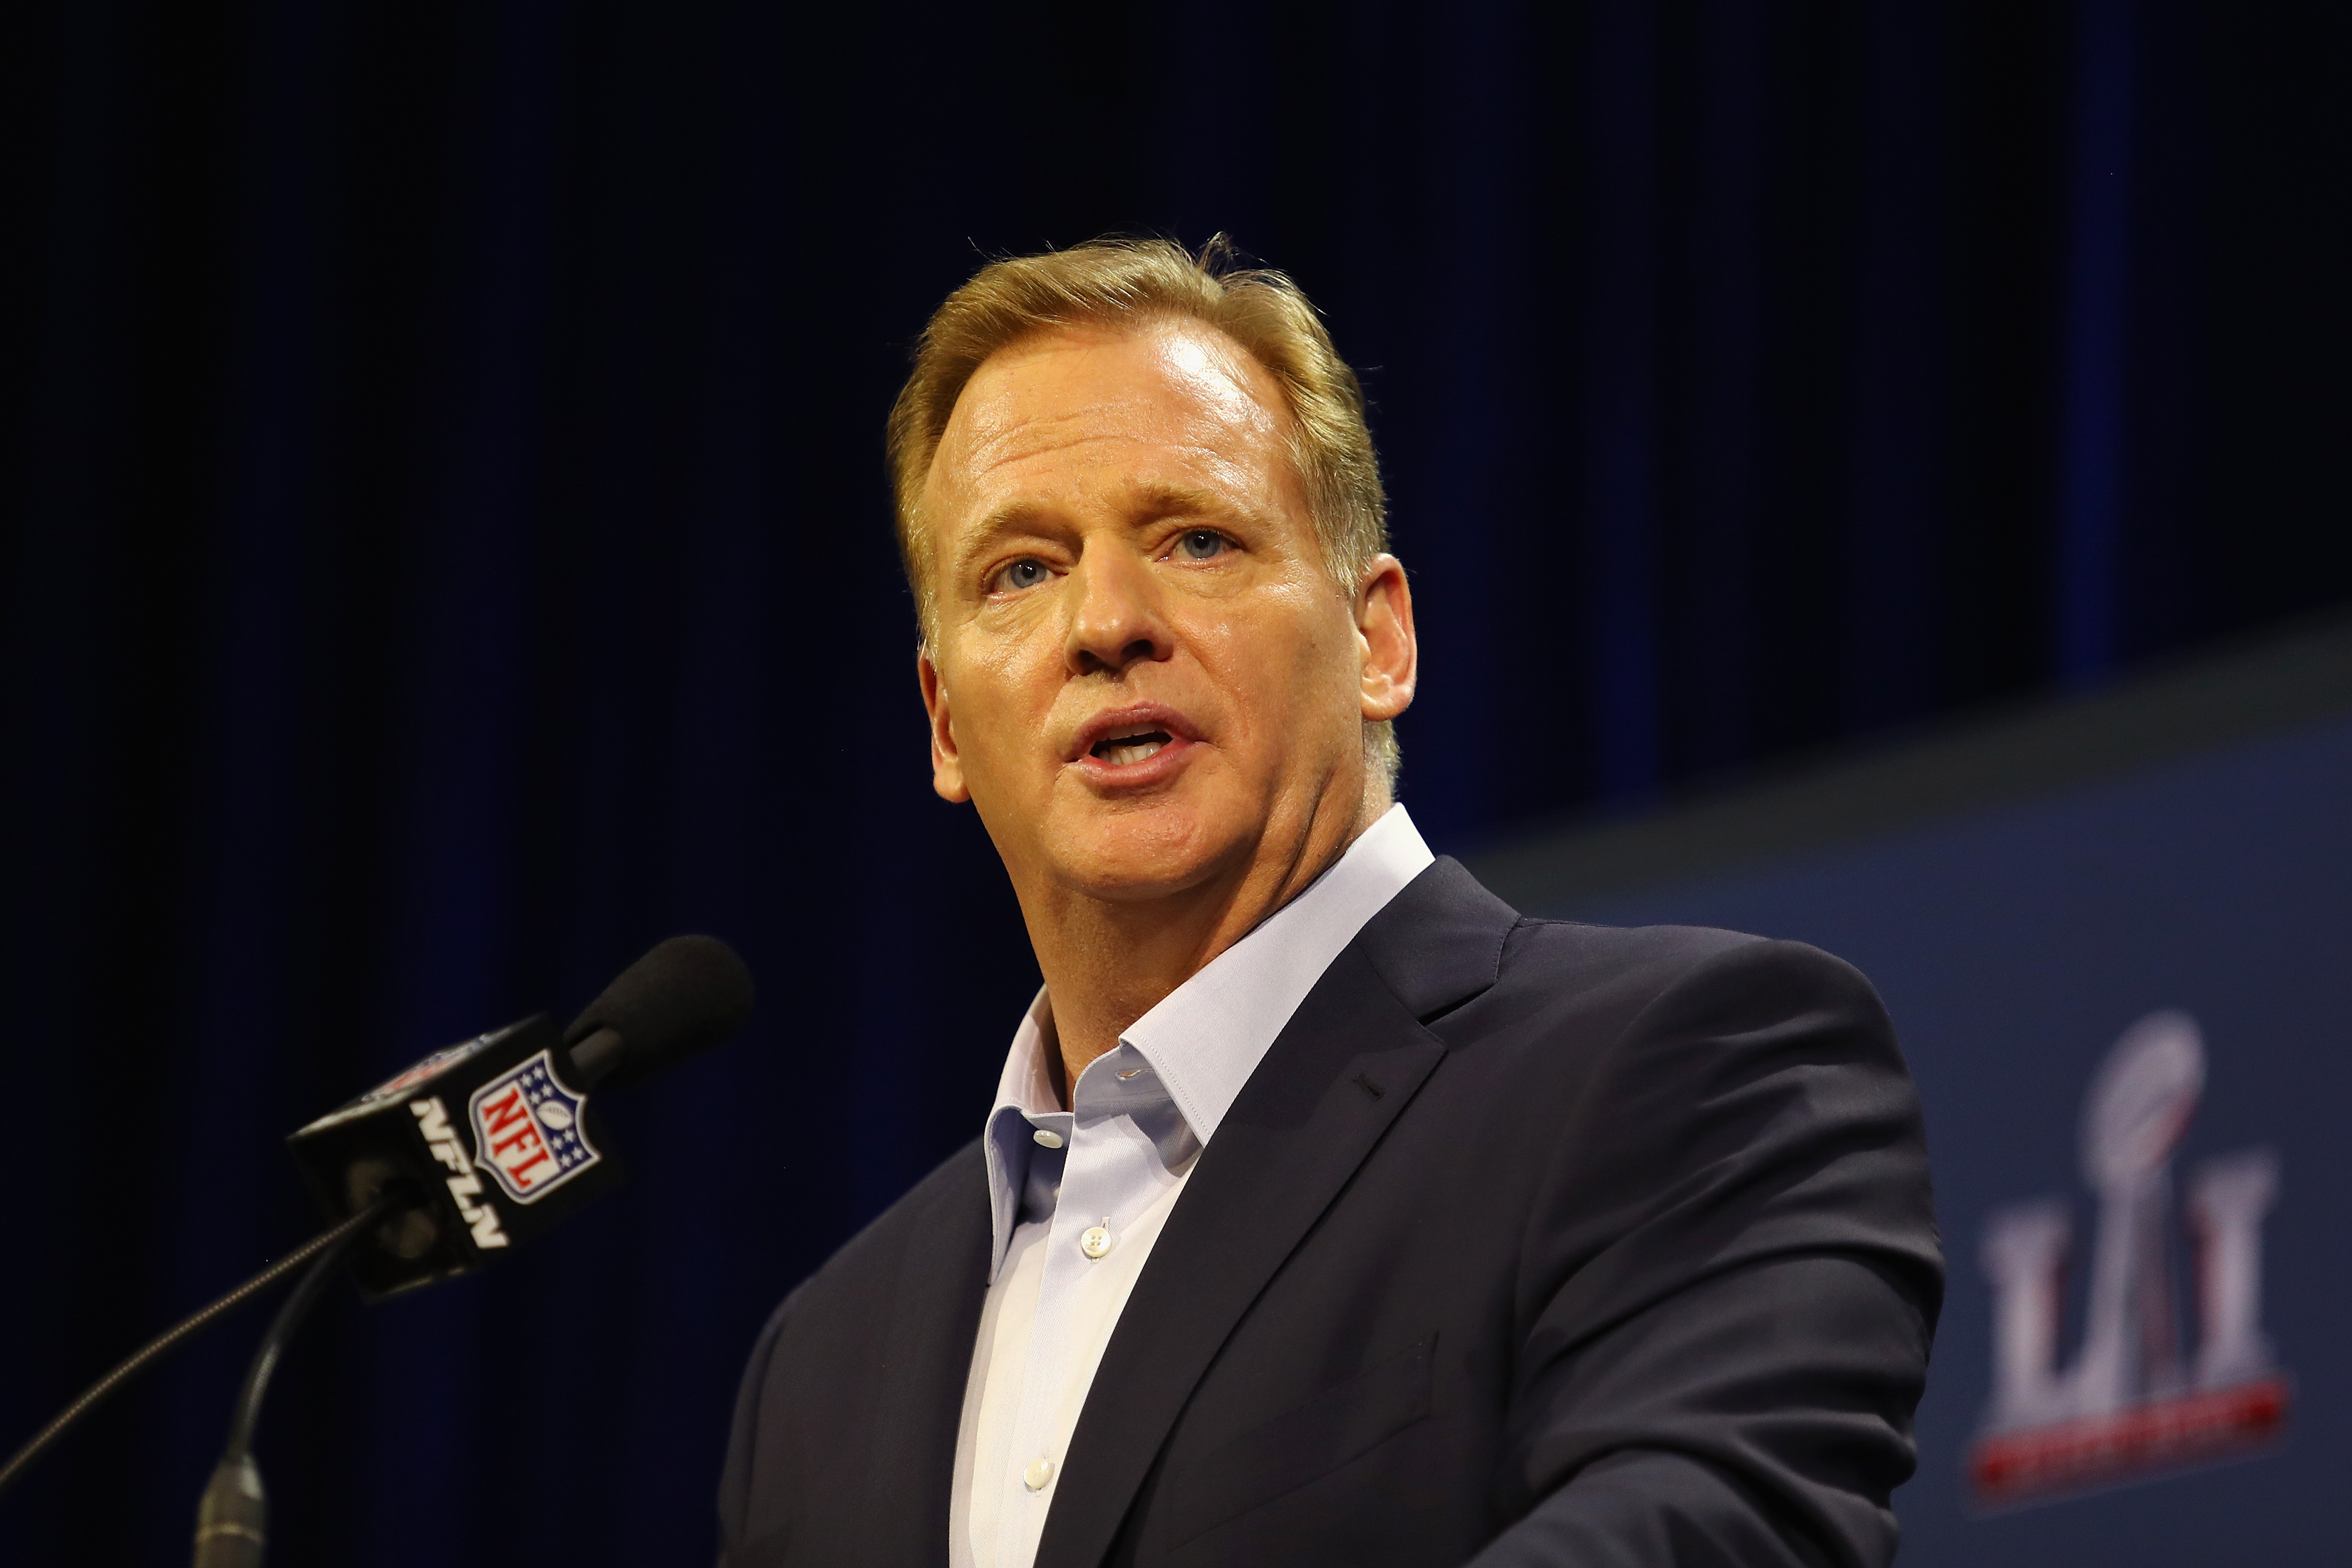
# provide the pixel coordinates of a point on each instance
(1207, 1036)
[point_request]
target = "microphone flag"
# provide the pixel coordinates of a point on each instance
(494, 1137)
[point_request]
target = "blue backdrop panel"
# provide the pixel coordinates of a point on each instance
(2014, 947)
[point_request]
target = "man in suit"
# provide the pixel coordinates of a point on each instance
(1329, 1210)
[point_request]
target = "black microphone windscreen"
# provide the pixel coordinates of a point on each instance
(686, 995)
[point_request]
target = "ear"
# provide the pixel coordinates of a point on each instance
(1391, 657)
(947, 767)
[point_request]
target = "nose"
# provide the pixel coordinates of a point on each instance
(1116, 619)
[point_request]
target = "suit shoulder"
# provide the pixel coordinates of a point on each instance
(1569, 955)
(1541, 940)
(1601, 982)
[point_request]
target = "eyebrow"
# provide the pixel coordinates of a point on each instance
(1020, 517)
(1175, 500)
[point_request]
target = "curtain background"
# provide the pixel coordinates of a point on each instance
(447, 550)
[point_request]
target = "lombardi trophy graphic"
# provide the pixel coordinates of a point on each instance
(2132, 1402)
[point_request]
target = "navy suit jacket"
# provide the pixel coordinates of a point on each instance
(1528, 1242)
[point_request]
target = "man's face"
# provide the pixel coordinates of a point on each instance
(1142, 672)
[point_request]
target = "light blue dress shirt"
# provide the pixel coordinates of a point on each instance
(1076, 1197)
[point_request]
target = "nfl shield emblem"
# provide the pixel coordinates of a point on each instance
(528, 1131)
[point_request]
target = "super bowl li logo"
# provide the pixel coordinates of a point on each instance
(2135, 1400)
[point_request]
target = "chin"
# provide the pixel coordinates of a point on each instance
(1139, 853)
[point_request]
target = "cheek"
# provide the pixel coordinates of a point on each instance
(1001, 690)
(1290, 655)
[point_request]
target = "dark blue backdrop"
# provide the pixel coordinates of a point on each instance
(446, 551)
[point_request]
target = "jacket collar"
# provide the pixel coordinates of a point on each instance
(1350, 1058)
(934, 1305)
(1206, 1037)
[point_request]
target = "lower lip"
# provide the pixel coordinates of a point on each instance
(1160, 765)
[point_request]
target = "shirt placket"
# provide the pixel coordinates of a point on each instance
(1108, 1179)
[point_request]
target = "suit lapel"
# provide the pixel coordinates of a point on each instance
(1337, 1075)
(943, 1279)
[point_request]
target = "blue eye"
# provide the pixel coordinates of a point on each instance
(1201, 544)
(1023, 574)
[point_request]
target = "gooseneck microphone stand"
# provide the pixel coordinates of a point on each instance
(323, 1246)
(233, 1516)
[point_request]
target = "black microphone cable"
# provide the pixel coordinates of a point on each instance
(326, 1242)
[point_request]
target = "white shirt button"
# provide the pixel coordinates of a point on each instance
(1040, 1471)
(1046, 1139)
(1097, 1240)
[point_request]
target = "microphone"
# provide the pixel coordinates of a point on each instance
(687, 994)
(440, 1170)
(496, 1140)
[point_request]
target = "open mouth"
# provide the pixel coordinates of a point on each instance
(1130, 746)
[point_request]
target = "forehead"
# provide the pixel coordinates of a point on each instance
(1087, 408)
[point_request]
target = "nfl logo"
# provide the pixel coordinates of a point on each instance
(527, 1132)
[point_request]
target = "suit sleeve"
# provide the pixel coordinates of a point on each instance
(1729, 1286)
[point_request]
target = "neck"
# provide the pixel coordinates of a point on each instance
(1106, 963)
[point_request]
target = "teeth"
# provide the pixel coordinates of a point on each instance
(1128, 746)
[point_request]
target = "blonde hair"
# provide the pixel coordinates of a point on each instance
(1115, 280)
